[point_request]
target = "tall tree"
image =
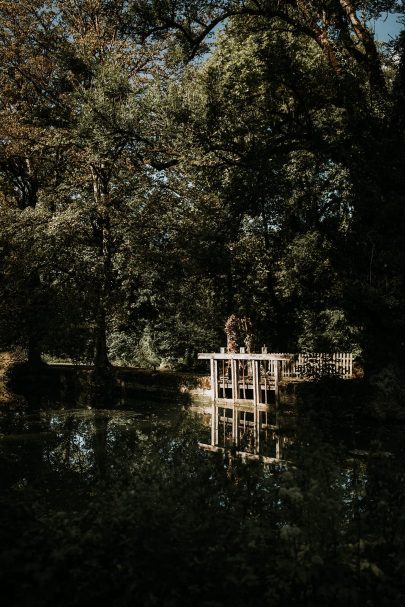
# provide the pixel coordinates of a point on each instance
(319, 133)
(31, 165)
(96, 94)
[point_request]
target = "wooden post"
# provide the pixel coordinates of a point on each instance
(244, 369)
(212, 375)
(214, 424)
(214, 396)
(234, 380)
(256, 399)
(235, 433)
(277, 377)
(215, 380)
(256, 386)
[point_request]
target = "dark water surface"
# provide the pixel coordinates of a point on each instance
(60, 447)
(135, 504)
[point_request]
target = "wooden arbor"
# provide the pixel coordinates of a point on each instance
(251, 377)
(241, 376)
(241, 387)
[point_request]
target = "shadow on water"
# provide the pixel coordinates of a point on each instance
(120, 503)
(44, 385)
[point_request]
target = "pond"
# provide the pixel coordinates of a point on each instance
(163, 504)
(65, 447)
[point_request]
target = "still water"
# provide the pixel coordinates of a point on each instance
(65, 445)
(149, 503)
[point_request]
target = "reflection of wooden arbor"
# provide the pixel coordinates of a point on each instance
(246, 428)
(240, 389)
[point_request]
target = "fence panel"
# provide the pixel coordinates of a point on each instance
(314, 365)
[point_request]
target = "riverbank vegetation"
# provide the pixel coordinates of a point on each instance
(160, 522)
(164, 167)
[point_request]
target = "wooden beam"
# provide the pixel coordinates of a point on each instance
(256, 399)
(238, 356)
(277, 378)
(242, 454)
(293, 365)
(234, 379)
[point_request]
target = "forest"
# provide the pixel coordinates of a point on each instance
(169, 169)
(167, 163)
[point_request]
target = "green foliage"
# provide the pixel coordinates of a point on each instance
(169, 524)
(146, 196)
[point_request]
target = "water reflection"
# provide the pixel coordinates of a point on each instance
(248, 430)
(177, 520)
(66, 447)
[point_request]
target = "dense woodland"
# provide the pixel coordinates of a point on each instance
(167, 163)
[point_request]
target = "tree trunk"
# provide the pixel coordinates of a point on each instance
(101, 361)
(34, 352)
(101, 178)
(35, 324)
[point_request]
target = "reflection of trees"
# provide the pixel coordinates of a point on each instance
(67, 439)
(100, 443)
(22, 454)
(84, 444)
(330, 524)
(71, 453)
(68, 449)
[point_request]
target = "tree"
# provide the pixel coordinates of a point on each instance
(317, 131)
(96, 95)
(31, 167)
(260, 179)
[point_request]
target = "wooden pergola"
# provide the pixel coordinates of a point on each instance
(240, 374)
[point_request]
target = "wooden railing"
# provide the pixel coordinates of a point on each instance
(303, 365)
(314, 365)
(243, 376)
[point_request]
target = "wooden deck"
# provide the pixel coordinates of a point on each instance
(238, 376)
(244, 385)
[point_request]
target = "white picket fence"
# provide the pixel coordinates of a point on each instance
(312, 364)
